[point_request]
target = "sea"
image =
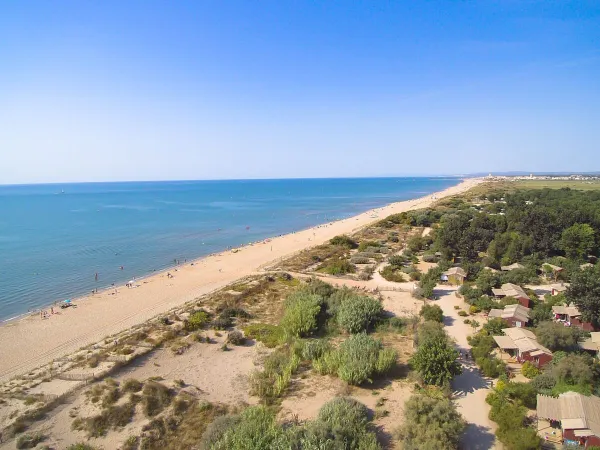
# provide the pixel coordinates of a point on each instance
(55, 238)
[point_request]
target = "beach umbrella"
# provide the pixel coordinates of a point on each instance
(131, 281)
(68, 301)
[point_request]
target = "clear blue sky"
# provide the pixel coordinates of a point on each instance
(130, 90)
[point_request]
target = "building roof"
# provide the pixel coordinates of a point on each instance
(570, 310)
(575, 411)
(592, 343)
(453, 271)
(517, 312)
(523, 340)
(504, 342)
(510, 290)
(559, 287)
(512, 267)
(586, 265)
(553, 267)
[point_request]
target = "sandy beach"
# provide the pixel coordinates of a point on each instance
(31, 341)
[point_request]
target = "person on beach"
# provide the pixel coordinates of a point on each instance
(51, 310)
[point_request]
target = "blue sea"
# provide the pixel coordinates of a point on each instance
(55, 238)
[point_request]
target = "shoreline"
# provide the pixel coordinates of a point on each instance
(35, 341)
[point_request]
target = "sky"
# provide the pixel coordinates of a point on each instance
(217, 89)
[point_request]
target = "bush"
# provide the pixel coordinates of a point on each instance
(368, 246)
(338, 266)
(236, 338)
(29, 440)
(81, 446)
(300, 316)
(432, 312)
(270, 335)
(529, 370)
(491, 367)
(343, 421)
(462, 313)
(344, 241)
(358, 313)
(155, 398)
(392, 273)
(474, 309)
(430, 423)
(357, 360)
(222, 323)
(196, 320)
(255, 429)
(314, 349)
(436, 361)
(271, 382)
(397, 260)
(216, 429)
(360, 260)
(429, 258)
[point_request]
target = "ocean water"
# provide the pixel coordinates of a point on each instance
(55, 238)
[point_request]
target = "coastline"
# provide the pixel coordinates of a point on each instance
(31, 341)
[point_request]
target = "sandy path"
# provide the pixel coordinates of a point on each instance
(469, 388)
(31, 342)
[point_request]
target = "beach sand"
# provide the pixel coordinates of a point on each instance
(30, 342)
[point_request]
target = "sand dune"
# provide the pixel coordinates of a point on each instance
(31, 341)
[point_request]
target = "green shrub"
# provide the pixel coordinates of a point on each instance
(529, 370)
(216, 429)
(344, 421)
(357, 359)
(358, 313)
(301, 311)
(29, 440)
(474, 309)
(270, 335)
(397, 260)
(236, 338)
(196, 320)
(273, 380)
(430, 423)
(81, 446)
(256, 429)
(491, 367)
(314, 349)
(432, 312)
(360, 260)
(368, 245)
(392, 273)
(462, 313)
(155, 398)
(132, 385)
(436, 361)
(222, 323)
(344, 241)
(337, 266)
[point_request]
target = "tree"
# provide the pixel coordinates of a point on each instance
(432, 312)
(494, 326)
(577, 240)
(584, 292)
(556, 336)
(436, 361)
(430, 424)
(486, 280)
